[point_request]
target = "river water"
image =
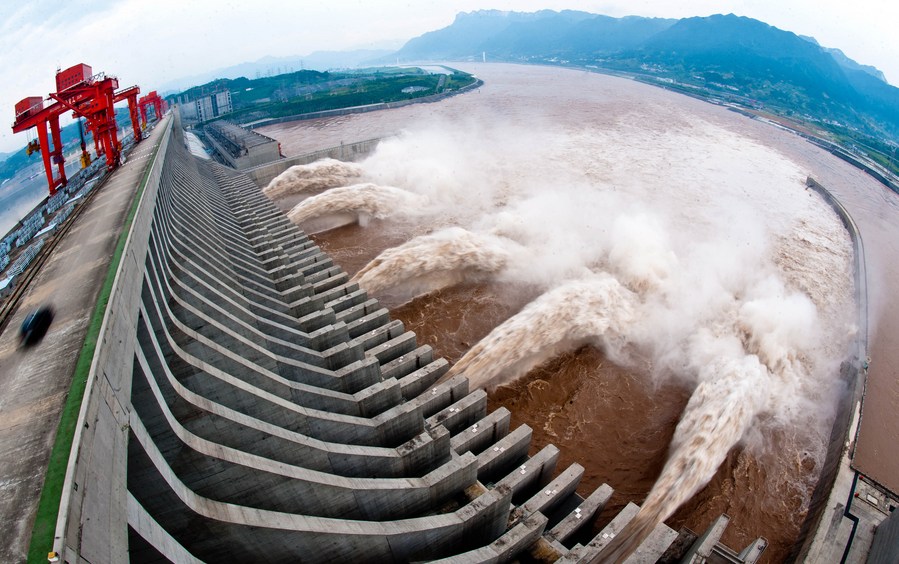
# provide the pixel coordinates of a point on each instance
(668, 261)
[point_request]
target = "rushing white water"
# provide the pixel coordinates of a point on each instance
(674, 245)
(320, 175)
(732, 390)
(431, 262)
(596, 309)
(354, 204)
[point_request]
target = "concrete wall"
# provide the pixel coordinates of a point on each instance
(147, 406)
(205, 371)
(253, 156)
(885, 547)
(93, 504)
(853, 160)
(852, 375)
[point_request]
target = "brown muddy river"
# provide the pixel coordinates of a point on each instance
(701, 218)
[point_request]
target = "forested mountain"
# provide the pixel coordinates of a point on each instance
(737, 56)
(517, 34)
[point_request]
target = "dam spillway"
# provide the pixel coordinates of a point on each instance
(248, 402)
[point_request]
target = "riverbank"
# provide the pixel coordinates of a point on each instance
(366, 108)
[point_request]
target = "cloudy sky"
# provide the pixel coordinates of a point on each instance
(152, 43)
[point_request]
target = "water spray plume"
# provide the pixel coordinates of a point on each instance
(733, 389)
(320, 175)
(357, 203)
(435, 261)
(596, 310)
(640, 254)
(681, 250)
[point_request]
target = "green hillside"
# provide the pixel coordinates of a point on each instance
(312, 91)
(730, 58)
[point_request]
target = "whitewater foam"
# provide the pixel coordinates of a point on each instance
(320, 175)
(432, 262)
(596, 310)
(733, 389)
(354, 204)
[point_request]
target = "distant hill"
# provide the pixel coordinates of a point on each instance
(251, 90)
(850, 64)
(308, 91)
(750, 55)
(466, 37)
(846, 62)
(737, 56)
(271, 66)
(513, 35)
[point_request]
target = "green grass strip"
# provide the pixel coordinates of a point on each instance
(51, 494)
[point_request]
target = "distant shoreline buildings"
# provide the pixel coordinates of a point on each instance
(205, 108)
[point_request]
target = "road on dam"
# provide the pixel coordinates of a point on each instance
(34, 382)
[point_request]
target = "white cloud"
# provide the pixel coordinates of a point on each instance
(150, 43)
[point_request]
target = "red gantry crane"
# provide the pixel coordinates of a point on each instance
(151, 100)
(88, 96)
(130, 94)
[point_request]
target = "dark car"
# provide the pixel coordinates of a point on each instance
(35, 325)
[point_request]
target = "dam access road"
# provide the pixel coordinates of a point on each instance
(35, 382)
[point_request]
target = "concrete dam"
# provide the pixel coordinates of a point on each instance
(247, 402)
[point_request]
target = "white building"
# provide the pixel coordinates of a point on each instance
(222, 103)
(205, 109)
